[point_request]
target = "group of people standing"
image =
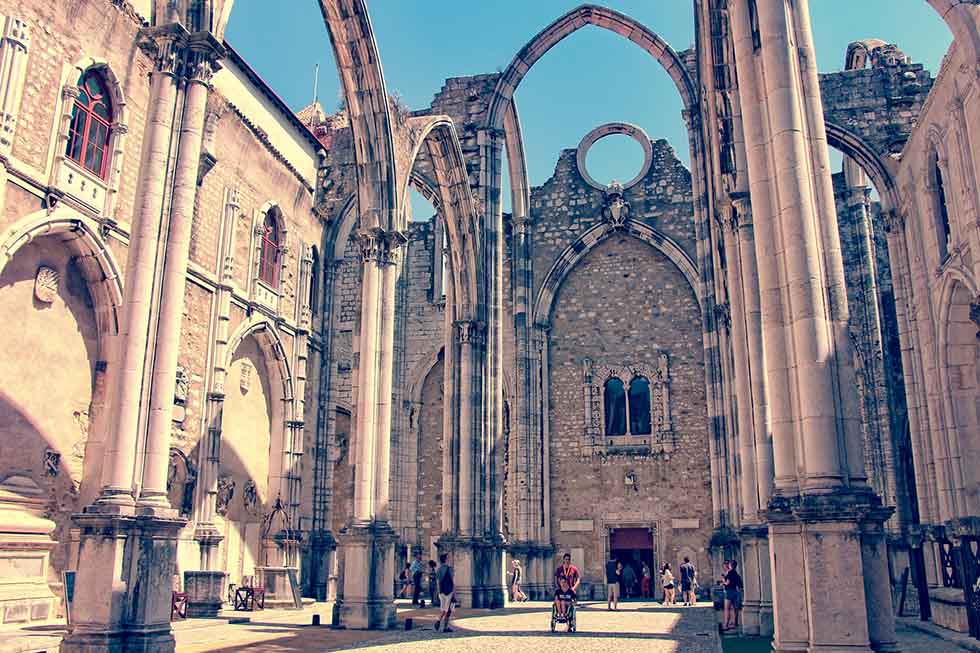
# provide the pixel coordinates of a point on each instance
(435, 580)
(621, 582)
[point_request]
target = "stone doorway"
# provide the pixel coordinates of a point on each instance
(634, 546)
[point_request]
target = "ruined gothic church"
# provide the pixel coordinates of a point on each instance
(232, 357)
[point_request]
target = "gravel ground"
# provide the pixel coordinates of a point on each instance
(646, 627)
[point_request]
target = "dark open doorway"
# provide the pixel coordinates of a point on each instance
(633, 547)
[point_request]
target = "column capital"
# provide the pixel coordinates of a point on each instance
(175, 51)
(894, 221)
(522, 224)
(380, 246)
(469, 331)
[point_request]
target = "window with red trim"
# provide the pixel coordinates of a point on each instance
(88, 135)
(269, 251)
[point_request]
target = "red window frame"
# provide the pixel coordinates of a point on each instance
(269, 252)
(89, 131)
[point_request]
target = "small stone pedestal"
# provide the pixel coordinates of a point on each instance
(822, 540)
(123, 588)
(25, 545)
(368, 600)
(281, 589)
(205, 593)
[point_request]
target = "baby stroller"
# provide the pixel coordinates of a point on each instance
(568, 619)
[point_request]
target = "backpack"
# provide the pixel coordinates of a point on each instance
(446, 581)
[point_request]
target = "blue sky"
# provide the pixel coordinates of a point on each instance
(588, 79)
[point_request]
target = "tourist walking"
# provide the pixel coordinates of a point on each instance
(733, 594)
(613, 570)
(517, 575)
(689, 577)
(629, 580)
(447, 587)
(667, 579)
(416, 570)
(645, 585)
(433, 587)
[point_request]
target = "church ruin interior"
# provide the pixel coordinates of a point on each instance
(234, 356)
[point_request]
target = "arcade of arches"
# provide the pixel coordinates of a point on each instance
(236, 360)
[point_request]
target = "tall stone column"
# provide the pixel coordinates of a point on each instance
(127, 551)
(201, 55)
(368, 543)
(163, 44)
(821, 503)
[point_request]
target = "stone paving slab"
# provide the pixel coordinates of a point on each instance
(647, 627)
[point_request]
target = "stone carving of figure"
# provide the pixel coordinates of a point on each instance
(226, 490)
(250, 496)
(663, 372)
(181, 387)
(617, 210)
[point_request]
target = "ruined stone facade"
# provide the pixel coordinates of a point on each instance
(258, 367)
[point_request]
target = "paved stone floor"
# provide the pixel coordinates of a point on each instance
(635, 627)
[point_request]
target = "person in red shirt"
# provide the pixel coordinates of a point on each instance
(569, 571)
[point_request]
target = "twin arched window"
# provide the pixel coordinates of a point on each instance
(269, 250)
(91, 120)
(627, 412)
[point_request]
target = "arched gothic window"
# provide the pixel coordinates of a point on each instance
(942, 212)
(639, 404)
(91, 119)
(314, 280)
(269, 251)
(614, 397)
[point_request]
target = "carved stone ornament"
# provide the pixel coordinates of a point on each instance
(181, 386)
(46, 284)
(616, 210)
(52, 462)
(226, 491)
(245, 379)
(250, 496)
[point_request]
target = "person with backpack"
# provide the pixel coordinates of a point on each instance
(444, 578)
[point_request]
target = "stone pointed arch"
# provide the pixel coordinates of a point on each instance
(372, 123)
(578, 250)
(271, 345)
(576, 19)
(963, 19)
(80, 234)
(437, 134)
(878, 168)
(277, 364)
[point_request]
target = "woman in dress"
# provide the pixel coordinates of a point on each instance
(515, 582)
(667, 579)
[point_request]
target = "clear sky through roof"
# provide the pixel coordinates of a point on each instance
(590, 78)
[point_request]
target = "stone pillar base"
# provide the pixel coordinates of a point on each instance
(124, 583)
(205, 593)
(477, 568)
(818, 567)
(281, 587)
(368, 600)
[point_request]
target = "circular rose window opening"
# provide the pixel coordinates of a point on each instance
(614, 152)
